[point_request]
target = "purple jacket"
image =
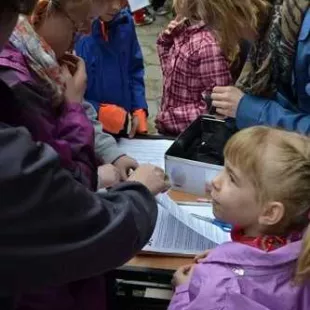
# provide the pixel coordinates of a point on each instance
(67, 130)
(235, 276)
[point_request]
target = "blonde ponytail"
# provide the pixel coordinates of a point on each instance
(303, 264)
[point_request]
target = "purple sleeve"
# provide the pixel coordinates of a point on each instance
(180, 299)
(75, 128)
(69, 133)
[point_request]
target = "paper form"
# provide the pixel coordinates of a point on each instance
(138, 4)
(146, 151)
(183, 214)
(173, 237)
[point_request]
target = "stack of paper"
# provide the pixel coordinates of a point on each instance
(146, 151)
(178, 232)
(136, 5)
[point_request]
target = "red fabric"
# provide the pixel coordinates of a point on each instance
(104, 29)
(266, 243)
(192, 63)
(112, 117)
(139, 16)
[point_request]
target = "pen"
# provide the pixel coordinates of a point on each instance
(224, 226)
(192, 203)
(204, 200)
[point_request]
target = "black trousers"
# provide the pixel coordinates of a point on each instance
(156, 4)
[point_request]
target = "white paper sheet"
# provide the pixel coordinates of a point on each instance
(138, 4)
(173, 237)
(183, 214)
(146, 151)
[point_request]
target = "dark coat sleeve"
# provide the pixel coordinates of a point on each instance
(53, 230)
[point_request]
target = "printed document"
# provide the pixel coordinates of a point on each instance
(178, 232)
(146, 151)
(173, 237)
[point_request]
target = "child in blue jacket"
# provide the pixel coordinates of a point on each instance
(115, 70)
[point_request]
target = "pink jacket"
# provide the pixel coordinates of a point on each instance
(192, 63)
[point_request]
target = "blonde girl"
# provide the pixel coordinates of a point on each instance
(264, 193)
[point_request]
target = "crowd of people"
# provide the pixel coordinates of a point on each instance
(74, 206)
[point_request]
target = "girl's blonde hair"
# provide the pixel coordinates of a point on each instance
(227, 18)
(278, 165)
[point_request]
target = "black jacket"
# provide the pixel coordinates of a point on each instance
(53, 230)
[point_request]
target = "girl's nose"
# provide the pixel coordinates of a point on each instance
(217, 181)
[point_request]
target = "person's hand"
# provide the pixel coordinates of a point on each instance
(182, 275)
(174, 25)
(75, 84)
(124, 165)
(152, 177)
(226, 100)
(70, 61)
(201, 256)
(108, 175)
(134, 126)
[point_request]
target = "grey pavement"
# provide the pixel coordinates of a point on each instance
(153, 77)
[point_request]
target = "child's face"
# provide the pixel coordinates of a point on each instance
(108, 9)
(60, 28)
(234, 199)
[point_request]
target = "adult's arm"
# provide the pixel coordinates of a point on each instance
(254, 110)
(53, 230)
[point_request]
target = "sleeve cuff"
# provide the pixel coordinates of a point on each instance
(142, 117)
(113, 155)
(249, 111)
(73, 107)
(164, 39)
(182, 288)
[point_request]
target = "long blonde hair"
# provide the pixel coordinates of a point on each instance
(278, 165)
(227, 18)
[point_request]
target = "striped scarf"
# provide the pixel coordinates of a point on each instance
(40, 57)
(271, 58)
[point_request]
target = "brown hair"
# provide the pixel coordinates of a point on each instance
(17, 6)
(79, 8)
(227, 18)
(278, 165)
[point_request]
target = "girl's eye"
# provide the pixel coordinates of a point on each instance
(231, 178)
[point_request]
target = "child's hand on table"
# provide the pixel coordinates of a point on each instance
(108, 175)
(124, 165)
(182, 275)
(201, 256)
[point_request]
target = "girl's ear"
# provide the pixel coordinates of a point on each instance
(272, 213)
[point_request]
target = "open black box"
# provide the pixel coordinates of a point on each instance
(196, 156)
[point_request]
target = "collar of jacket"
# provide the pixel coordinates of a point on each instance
(235, 253)
(120, 19)
(195, 27)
